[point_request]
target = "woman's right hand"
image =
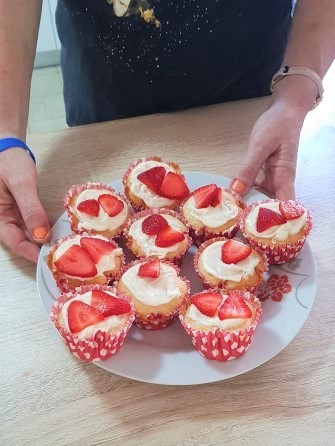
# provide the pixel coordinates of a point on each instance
(23, 221)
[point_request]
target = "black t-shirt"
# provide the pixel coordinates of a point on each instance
(206, 52)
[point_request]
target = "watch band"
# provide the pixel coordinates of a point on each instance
(9, 143)
(302, 71)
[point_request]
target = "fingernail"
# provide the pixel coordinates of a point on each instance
(238, 186)
(40, 232)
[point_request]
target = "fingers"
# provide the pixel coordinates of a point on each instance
(286, 192)
(17, 242)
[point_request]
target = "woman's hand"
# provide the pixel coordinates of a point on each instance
(23, 221)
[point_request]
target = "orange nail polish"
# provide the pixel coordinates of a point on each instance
(40, 232)
(238, 186)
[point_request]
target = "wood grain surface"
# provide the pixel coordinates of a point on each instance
(49, 397)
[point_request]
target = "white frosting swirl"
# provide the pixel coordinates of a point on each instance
(278, 232)
(103, 222)
(140, 190)
(106, 263)
(214, 217)
(211, 261)
(150, 291)
(147, 242)
(115, 323)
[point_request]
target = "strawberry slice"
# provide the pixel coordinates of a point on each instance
(108, 305)
(267, 218)
(233, 251)
(174, 187)
(234, 307)
(154, 224)
(216, 200)
(76, 262)
(81, 315)
(110, 204)
(90, 207)
(152, 178)
(291, 210)
(150, 269)
(168, 237)
(204, 196)
(97, 248)
(207, 303)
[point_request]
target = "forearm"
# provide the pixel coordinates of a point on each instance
(311, 44)
(19, 22)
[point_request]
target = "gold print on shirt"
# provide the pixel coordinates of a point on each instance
(125, 8)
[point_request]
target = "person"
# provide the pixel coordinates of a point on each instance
(202, 52)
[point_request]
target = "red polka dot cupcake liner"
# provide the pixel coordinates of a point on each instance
(102, 345)
(221, 345)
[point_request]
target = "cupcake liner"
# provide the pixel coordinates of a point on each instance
(221, 345)
(62, 280)
(178, 258)
(204, 245)
(141, 160)
(77, 190)
(156, 321)
(282, 253)
(102, 345)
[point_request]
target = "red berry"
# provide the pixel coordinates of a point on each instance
(109, 305)
(150, 269)
(233, 251)
(110, 204)
(204, 196)
(76, 262)
(216, 200)
(234, 307)
(97, 248)
(154, 224)
(153, 178)
(168, 237)
(291, 210)
(90, 207)
(81, 315)
(207, 303)
(174, 187)
(267, 218)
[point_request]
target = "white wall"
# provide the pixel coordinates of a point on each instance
(48, 45)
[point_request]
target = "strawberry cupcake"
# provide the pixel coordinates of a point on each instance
(158, 233)
(96, 208)
(276, 228)
(93, 321)
(151, 183)
(211, 212)
(156, 290)
(221, 326)
(84, 259)
(230, 264)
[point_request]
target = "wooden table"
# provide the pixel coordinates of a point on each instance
(50, 398)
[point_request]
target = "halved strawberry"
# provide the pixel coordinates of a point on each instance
(168, 237)
(76, 262)
(267, 218)
(204, 196)
(81, 315)
(90, 207)
(108, 305)
(234, 307)
(154, 224)
(150, 269)
(174, 187)
(207, 303)
(110, 204)
(216, 200)
(153, 178)
(96, 247)
(233, 251)
(291, 210)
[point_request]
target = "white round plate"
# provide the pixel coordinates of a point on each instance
(167, 356)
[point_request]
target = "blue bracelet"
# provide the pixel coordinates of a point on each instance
(8, 143)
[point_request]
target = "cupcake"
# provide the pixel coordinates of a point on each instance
(157, 233)
(156, 290)
(211, 212)
(96, 208)
(93, 321)
(221, 326)
(230, 264)
(84, 259)
(151, 183)
(276, 228)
